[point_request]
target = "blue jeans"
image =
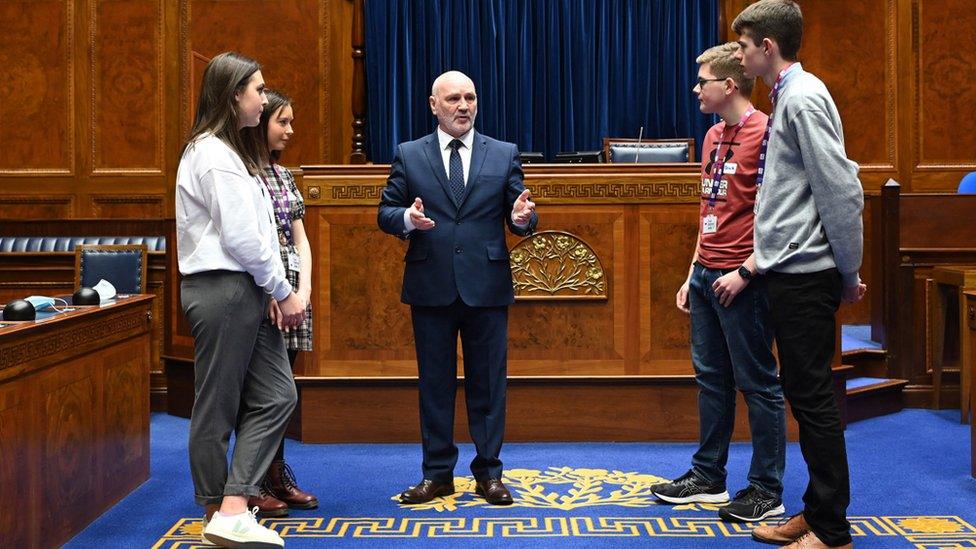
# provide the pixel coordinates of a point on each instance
(731, 348)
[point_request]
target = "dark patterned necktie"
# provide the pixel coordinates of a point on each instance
(457, 170)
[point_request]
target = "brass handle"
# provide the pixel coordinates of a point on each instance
(314, 192)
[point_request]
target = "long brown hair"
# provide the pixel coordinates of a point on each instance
(257, 137)
(226, 74)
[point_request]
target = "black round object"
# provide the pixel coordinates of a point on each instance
(19, 309)
(85, 296)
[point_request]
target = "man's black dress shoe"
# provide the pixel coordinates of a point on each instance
(494, 492)
(426, 491)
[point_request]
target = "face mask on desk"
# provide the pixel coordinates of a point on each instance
(44, 303)
(105, 290)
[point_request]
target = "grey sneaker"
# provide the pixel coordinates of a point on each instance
(690, 488)
(751, 505)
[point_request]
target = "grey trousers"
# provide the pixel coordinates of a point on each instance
(242, 380)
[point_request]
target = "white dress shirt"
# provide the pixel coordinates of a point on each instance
(224, 217)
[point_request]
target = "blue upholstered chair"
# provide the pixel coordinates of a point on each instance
(122, 265)
(625, 151)
(968, 184)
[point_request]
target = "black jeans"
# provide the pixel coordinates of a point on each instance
(802, 313)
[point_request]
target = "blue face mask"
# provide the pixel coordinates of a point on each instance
(44, 303)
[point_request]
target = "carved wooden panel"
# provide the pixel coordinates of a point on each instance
(946, 99)
(127, 86)
(667, 242)
(70, 446)
(125, 444)
(578, 337)
(553, 265)
(38, 106)
(289, 48)
(358, 314)
(128, 206)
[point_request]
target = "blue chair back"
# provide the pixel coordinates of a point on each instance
(968, 184)
(122, 265)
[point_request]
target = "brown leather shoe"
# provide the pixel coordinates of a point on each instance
(494, 492)
(280, 482)
(782, 533)
(268, 505)
(426, 491)
(811, 541)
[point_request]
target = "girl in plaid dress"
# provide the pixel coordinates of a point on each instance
(280, 491)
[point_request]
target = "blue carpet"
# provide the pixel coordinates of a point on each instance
(910, 481)
(856, 337)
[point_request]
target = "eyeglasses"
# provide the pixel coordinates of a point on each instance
(702, 81)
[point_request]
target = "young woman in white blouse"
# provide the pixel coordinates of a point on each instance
(228, 252)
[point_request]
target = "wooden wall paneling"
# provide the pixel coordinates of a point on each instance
(865, 89)
(667, 242)
(945, 100)
(359, 319)
(37, 136)
(29, 206)
(578, 338)
(282, 44)
(127, 94)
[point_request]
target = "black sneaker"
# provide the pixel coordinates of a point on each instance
(751, 505)
(690, 488)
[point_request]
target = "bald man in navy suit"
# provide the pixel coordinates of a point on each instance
(451, 194)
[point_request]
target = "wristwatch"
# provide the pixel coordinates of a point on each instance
(745, 273)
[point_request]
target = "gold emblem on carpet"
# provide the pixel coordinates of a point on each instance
(563, 488)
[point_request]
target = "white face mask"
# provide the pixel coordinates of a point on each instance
(105, 290)
(44, 303)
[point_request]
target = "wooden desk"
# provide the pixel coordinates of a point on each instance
(947, 309)
(74, 418)
(970, 316)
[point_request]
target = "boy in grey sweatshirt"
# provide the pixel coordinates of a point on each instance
(808, 243)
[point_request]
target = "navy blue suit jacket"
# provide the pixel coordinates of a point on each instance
(465, 253)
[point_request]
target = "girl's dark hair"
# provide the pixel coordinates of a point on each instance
(257, 136)
(226, 74)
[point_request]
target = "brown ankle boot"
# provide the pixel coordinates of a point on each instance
(281, 482)
(267, 504)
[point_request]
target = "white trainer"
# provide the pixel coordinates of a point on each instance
(203, 538)
(241, 531)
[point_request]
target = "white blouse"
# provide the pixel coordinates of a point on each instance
(224, 217)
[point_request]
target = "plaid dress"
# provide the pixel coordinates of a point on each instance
(280, 180)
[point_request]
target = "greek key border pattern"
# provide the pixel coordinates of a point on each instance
(652, 192)
(955, 531)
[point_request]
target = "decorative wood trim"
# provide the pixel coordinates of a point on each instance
(325, 70)
(358, 155)
(68, 201)
(186, 117)
(99, 203)
(74, 338)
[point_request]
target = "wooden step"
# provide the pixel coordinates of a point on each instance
(873, 397)
(866, 362)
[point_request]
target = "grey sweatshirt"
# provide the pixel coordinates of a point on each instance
(808, 210)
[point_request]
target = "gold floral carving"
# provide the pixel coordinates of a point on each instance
(563, 488)
(556, 265)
